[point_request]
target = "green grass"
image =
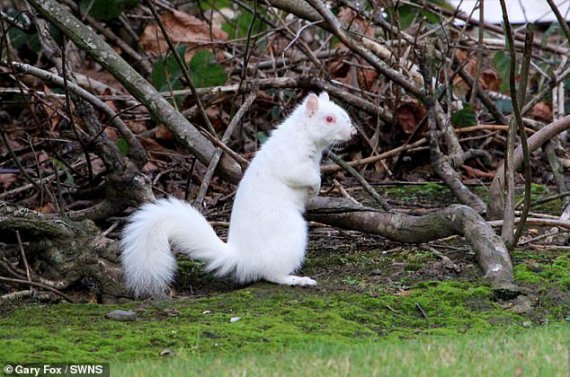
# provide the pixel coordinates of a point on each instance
(272, 318)
(541, 351)
(415, 318)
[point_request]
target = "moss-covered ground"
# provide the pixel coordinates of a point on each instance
(371, 295)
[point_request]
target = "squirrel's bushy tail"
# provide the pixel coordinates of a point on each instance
(149, 265)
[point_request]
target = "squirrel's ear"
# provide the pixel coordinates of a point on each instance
(311, 104)
(324, 96)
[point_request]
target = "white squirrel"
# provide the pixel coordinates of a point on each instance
(267, 235)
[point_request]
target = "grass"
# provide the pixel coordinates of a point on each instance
(373, 313)
(272, 318)
(541, 351)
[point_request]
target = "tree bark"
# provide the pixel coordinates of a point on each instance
(60, 253)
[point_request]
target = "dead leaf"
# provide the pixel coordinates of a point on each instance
(47, 208)
(111, 133)
(409, 114)
(163, 133)
(182, 28)
(541, 112)
(7, 180)
(149, 167)
(490, 80)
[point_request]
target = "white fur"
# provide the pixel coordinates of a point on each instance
(268, 234)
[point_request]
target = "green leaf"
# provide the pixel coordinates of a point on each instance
(214, 4)
(262, 136)
(407, 13)
(465, 117)
(123, 146)
(276, 112)
(502, 63)
(238, 27)
(167, 73)
(106, 10)
(68, 179)
(19, 38)
(206, 71)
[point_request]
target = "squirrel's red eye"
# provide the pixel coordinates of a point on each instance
(330, 119)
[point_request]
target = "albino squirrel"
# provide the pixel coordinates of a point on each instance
(267, 235)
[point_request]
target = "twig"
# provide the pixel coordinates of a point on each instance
(218, 154)
(369, 189)
(538, 238)
(561, 20)
(36, 284)
(521, 94)
(550, 198)
(373, 159)
(136, 149)
(23, 254)
(379, 65)
(517, 96)
(481, 31)
(343, 192)
(422, 311)
(535, 221)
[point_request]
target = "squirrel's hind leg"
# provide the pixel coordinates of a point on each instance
(292, 280)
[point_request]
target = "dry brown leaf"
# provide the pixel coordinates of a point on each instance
(111, 133)
(357, 24)
(150, 167)
(182, 29)
(541, 111)
(488, 79)
(163, 133)
(409, 114)
(7, 180)
(47, 208)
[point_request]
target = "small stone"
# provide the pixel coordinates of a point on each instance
(166, 352)
(376, 272)
(171, 312)
(522, 305)
(122, 315)
(207, 312)
(234, 319)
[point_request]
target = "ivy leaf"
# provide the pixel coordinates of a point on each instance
(502, 63)
(123, 146)
(465, 117)
(166, 73)
(106, 10)
(238, 27)
(206, 71)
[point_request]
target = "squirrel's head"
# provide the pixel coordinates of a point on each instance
(327, 123)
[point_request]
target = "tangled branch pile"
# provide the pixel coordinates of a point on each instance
(105, 103)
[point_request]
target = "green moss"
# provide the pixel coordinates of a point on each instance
(271, 318)
(554, 273)
(364, 297)
(428, 192)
